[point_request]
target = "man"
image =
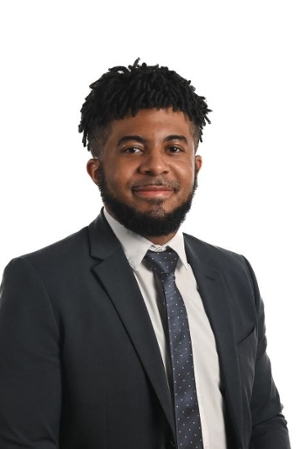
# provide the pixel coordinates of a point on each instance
(129, 334)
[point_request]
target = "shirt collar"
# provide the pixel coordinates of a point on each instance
(135, 246)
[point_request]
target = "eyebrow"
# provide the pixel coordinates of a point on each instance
(140, 139)
(176, 137)
(125, 139)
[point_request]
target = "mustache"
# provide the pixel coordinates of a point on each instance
(174, 185)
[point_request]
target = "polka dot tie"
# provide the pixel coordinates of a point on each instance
(188, 425)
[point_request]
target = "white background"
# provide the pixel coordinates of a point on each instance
(243, 56)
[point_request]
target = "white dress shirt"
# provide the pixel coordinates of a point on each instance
(206, 361)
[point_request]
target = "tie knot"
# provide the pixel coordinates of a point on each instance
(163, 262)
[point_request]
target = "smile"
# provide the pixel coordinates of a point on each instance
(153, 191)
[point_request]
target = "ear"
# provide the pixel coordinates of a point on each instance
(198, 163)
(92, 167)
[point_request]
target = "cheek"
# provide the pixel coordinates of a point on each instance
(188, 175)
(121, 170)
(118, 180)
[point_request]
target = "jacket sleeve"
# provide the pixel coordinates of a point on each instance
(30, 372)
(269, 427)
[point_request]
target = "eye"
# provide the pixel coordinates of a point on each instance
(131, 150)
(174, 149)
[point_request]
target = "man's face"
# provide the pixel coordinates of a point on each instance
(148, 165)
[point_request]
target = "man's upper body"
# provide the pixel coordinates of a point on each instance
(83, 353)
(80, 362)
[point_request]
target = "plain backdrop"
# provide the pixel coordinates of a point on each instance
(242, 56)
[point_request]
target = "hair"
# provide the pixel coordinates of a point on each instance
(122, 91)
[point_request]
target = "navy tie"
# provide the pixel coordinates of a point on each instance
(188, 425)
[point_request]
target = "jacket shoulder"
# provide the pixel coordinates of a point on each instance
(214, 255)
(65, 247)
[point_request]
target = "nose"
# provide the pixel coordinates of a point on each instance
(154, 162)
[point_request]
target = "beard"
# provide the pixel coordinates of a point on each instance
(147, 224)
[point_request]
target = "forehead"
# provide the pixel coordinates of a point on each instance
(152, 123)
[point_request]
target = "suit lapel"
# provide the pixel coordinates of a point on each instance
(116, 276)
(216, 303)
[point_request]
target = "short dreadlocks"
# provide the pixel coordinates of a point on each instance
(122, 91)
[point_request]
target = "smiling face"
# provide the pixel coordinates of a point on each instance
(148, 164)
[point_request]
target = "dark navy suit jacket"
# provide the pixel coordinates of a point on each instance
(80, 366)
